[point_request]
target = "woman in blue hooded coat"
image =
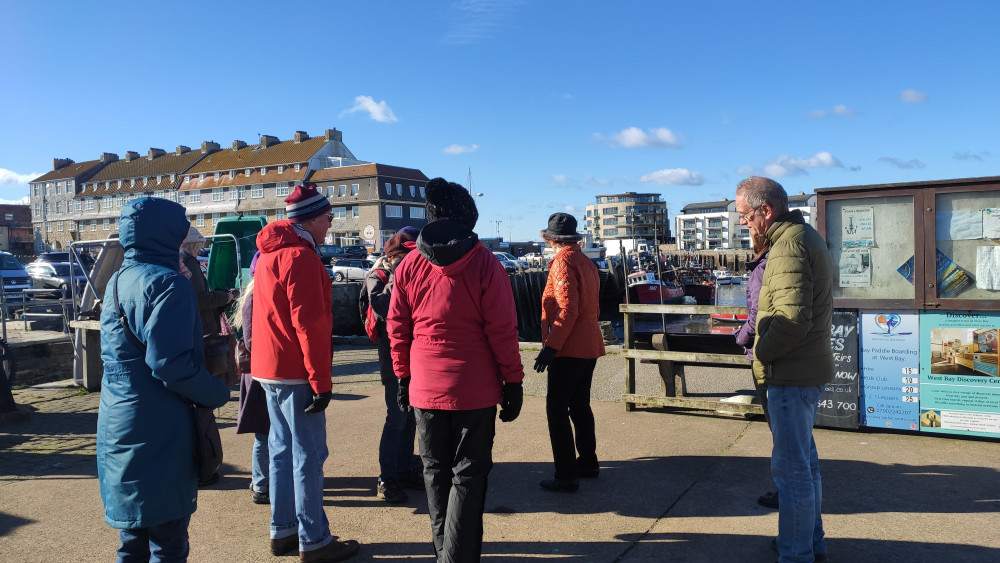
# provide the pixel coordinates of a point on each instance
(145, 425)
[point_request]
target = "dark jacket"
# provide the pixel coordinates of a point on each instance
(379, 295)
(145, 426)
(292, 311)
(795, 307)
(745, 334)
(252, 416)
(452, 322)
(210, 303)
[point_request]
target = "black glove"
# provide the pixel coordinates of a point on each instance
(320, 402)
(513, 398)
(544, 358)
(403, 395)
(235, 294)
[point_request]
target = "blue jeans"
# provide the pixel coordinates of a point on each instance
(165, 543)
(297, 444)
(259, 464)
(395, 449)
(795, 468)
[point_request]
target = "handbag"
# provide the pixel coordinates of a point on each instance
(242, 357)
(207, 440)
(219, 360)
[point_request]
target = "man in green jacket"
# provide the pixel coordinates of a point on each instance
(792, 355)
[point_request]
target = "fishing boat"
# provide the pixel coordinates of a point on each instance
(703, 292)
(723, 276)
(649, 290)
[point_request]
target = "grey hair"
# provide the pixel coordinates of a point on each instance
(757, 191)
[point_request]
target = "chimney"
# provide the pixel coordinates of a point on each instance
(209, 147)
(334, 135)
(154, 153)
(58, 163)
(181, 149)
(268, 141)
(237, 145)
(130, 156)
(108, 157)
(301, 136)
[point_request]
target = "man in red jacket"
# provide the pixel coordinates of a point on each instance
(453, 331)
(292, 326)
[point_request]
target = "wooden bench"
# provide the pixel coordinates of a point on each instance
(671, 363)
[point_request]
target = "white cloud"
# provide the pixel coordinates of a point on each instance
(634, 137)
(838, 110)
(23, 201)
(571, 209)
(560, 178)
(911, 96)
(902, 163)
(379, 111)
(786, 165)
(455, 148)
(673, 177)
(478, 20)
(597, 181)
(11, 178)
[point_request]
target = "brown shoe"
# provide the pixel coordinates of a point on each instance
(285, 546)
(333, 551)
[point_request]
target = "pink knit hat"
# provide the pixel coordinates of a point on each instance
(305, 203)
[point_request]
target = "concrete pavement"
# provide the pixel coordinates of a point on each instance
(673, 487)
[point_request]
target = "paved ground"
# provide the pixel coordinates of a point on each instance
(673, 487)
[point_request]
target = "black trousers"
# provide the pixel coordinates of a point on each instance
(456, 448)
(569, 399)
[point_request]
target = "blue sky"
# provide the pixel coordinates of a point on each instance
(548, 102)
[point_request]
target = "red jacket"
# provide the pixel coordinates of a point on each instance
(292, 315)
(453, 325)
(570, 306)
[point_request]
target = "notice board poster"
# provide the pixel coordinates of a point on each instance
(959, 387)
(838, 404)
(890, 374)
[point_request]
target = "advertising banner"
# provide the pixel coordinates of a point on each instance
(890, 375)
(959, 383)
(838, 405)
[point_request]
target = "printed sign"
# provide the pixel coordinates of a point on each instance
(858, 226)
(856, 267)
(890, 374)
(960, 390)
(838, 405)
(368, 232)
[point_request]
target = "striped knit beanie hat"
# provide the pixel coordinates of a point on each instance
(305, 203)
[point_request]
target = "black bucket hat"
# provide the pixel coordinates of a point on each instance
(562, 228)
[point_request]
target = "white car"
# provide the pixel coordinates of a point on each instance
(523, 265)
(534, 259)
(350, 269)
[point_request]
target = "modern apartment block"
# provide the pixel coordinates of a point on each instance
(628, 215)
(81, 202)
(715, 225)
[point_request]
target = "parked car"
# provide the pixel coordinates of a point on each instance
(373, 256)
(356, 251)
(534, 259)
(15, 279)
(510, 267)
(520, 264)
(56, 275)
(350, 269)
(82, 258)
(329, 252)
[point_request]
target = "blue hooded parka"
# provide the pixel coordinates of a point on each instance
(145, 426)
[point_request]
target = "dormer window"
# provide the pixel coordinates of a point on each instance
(413, 191)
(173, 177)
(281, 169)
(159, 179)
(263, 170)
(201, 176)
(217, 176)
(232, 174)
(247, 172)
(132, 182)
(298, 167)
(120, 183)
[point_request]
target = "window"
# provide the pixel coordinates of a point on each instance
(232, 174)
(247, 172)
(354, 189)
(282, 189)
(181, 197)
(281, 169)
(388, 188)
(218, 194)
(399, 189)
(339, 212)
(159, 179)
(298, 167)
(93, 225)
(343, 190)
(9, 216)
(106, 202)
(58, 207)
(393, 210)
(71, 226)
(48, 227)
(173, 177)
(243, 192)
(329, 191)
(38, 208)
(413, 191)
(279, 214)
(201, 176)
(78, 205)
(355, 211)
(59, 226)
(234, 193)
(257, 191)
(107, 225)
(417, 213)
(194, 197)
(263, 170)
(215, 218)
(199, 220)
(218, 175)
(58, 187)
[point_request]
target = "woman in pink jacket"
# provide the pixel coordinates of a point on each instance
(453, 331)
(572, 342)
